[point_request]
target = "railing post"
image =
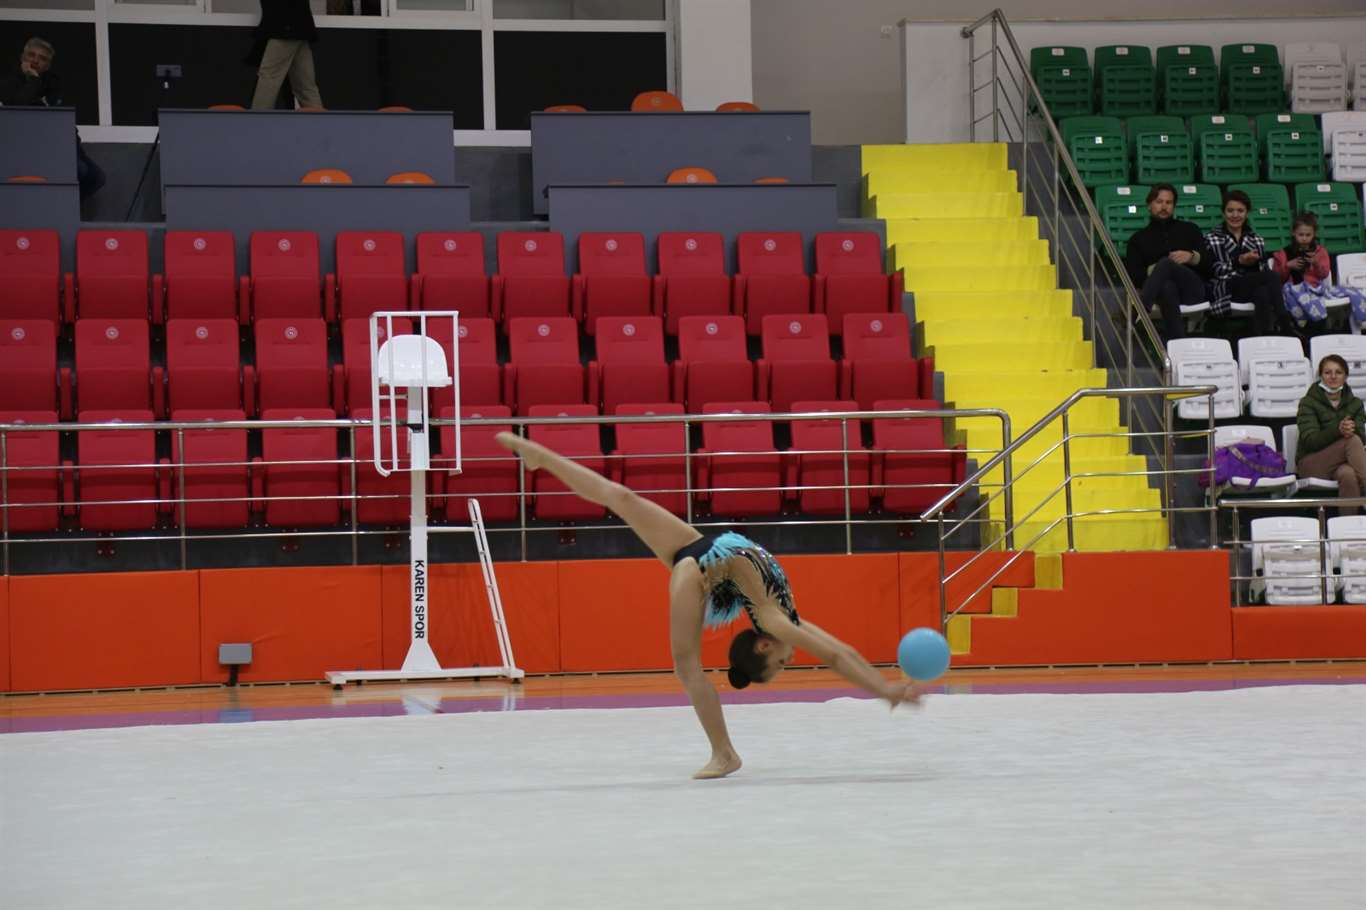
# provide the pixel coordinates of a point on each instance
(972, 83)
(180, 469)
(1168, 455)
(1237, 555)
(355, 503)
(521, 494)
(1008, 480)
(1323, 556)
(848, 510)
(687, 469)
(995, 87)
(943, 595)
(1211, 493)
(4, 498)
(1067, 480)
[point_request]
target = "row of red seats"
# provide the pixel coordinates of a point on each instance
(301, 480)
(204, 370)
(112, 279)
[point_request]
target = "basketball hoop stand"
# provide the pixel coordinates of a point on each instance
(417, 363)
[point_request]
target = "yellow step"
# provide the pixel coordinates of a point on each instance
(1041, 354)
(961, 230)
(970, 254)
(1000, 279)
(929, 181)
(1019, 330)
(999, 307)
(1096, 534)
(954, 156)
(945, 204)
(983, 387)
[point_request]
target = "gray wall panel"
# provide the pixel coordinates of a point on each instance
(38, 142)
(597, 147)
(54, 206)
(410, 210)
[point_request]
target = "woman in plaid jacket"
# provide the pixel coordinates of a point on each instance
(1241, 270)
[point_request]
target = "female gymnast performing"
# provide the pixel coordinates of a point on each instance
(712, 578)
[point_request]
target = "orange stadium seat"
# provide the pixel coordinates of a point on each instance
(656, 102)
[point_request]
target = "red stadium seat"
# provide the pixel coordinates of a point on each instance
(380, 500)
(291, 366)
(112, 280)
(630, 365)
(31, 276)
(29, 377)
(285, 279)
(371, 274)
(351, 383)
(771, 279)
(828, 437)
(531, 280)
(200, 278)
(911, 462)
(450, 274)
(850, 279)
(34, 497)
(741, 484)
(217, 484)
(663, 480)
(712, 362)
(120, 487)
(488, 473)
(113, 367)
(551, 500)
(544, 367)
(611, 280)
(796, 364)
(877, 360)
(300, 478)
(692, 279)
(203, 364)
(481, 376)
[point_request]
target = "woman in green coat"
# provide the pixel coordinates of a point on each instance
(1332, 425)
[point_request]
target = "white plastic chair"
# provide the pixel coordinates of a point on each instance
(1351, 348)
(1206, 361)
(1285, 546)
(1318, 87)
(1332, 121)
(1275, 373)
(1310, 52)
(1264, 486)
(1290, 447)
(1349, 155)
(1347, 555)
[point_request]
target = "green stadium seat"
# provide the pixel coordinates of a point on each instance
(1064, 78)
(1123, 208)
(1269, 123)
(1294, 156)
(1252, 77)
(1188, 80)
(1099, 149)
(1126, 83)
(1164, 157)
(1200, 203)
(1228, 157)
(1271, 215)
(1338, 208)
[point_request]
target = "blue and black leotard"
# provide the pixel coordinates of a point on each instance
(724, 597)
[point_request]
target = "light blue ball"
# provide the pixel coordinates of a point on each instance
(923, 654)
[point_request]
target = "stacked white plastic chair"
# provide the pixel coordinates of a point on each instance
(1351, 348)
(1268, 487)
(1332, 121)
(1317, 76)
(1290, 448)
(1275, 373)
(1206, 361)
(1287, 559)
(1349, 156)
(1347, 553)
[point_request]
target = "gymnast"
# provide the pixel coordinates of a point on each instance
(712, 578)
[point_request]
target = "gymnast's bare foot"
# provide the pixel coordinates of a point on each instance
(524, 447)
(719, 766)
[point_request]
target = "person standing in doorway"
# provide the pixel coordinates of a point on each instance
(285, 36)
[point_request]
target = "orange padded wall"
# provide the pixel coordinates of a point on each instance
(919, 586)
(462, 625)
(1278, 633)
(4, 635)
(103, 630)
(301, 622)
(1117, 608)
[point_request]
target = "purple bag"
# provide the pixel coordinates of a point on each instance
(1252, 460)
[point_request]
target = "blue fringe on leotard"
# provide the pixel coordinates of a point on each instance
(725, 600)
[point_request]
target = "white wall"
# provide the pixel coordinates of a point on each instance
(714, 53)
(936, 105)
(831, 57)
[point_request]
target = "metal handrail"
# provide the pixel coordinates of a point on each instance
(1133, 302)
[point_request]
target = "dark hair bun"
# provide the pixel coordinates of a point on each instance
(738, 678)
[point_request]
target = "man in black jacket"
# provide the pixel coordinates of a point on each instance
(284, 35)
(1168, 261)
(34, 84)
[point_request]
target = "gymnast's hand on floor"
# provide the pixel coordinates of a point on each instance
(905, 692)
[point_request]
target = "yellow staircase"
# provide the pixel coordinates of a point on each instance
(1004, 336)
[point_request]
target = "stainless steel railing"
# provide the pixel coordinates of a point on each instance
(1007, 540)
(171, 502)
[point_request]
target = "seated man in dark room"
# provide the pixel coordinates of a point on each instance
(33, 83)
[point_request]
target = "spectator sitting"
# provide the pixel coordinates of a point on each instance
(1241, 271)
(34, 84)
(1332, 422)
(1168, 261)
(1304, 266)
